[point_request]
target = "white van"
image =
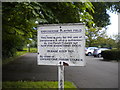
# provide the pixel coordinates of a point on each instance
(89, 51)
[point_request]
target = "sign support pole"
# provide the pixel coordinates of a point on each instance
(61, 76)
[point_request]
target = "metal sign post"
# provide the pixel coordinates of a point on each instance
(61, 76)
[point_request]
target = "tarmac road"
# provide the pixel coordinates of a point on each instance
(96, 74)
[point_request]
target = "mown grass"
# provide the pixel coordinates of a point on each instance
(18, 53)
(38, 84)
(10, 59)
(32, 50)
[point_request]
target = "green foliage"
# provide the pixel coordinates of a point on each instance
(38, 84)
(10, 46)
(91, 34)
(106, 42)
(67, 12)
(97, 37)
(113, 6)
(111, 55)
(100, 15)
(101, 19)
(18, 19)
(118, 41)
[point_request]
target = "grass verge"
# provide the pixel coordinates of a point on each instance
(38, 84)
(18, 53)
(10, 59)
(32, 50)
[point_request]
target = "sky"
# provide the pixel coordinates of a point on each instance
(113, 27)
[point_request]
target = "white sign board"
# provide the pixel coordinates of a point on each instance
(61, 43)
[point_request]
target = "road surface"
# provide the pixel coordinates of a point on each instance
(96, 74)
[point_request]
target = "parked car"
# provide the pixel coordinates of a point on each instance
(85, 49)
(97, 52)
(89, 51)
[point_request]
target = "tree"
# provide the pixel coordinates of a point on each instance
(106, 42)
(117, 38)
(19, 19)
(100, 15)
(100, 19)
(93, 35)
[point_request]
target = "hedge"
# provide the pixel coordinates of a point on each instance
(111, 55)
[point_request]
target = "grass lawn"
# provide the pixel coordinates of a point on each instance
(36, 84)
(32, 50)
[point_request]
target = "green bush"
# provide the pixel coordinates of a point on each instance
(11, 44)
(111, 54)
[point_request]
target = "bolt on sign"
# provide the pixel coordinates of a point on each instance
(61, 43)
